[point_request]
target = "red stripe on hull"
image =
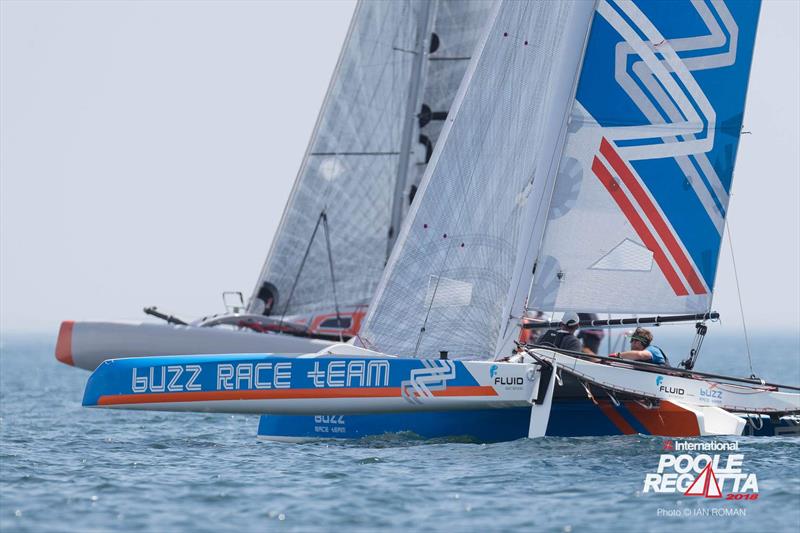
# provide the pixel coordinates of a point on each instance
(639, 226)
(284, 394)
(616, 418)
(668, 419)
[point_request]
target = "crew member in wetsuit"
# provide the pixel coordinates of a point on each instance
(641, 349)
(564, 337)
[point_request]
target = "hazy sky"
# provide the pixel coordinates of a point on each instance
(148, 149)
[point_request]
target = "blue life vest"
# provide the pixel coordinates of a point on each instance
(657, 355)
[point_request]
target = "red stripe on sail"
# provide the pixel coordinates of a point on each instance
(639, 226)
(653, 215)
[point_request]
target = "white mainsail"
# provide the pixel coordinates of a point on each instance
(457, 25)
(448, 279)
(638, 211)
(361, 158)
(353, 153)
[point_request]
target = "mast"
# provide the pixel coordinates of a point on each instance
(408, 124)
(447, 281)
(529, 249)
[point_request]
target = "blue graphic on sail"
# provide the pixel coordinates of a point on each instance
(655, 128)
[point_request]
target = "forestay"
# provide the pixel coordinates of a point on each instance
(449, 275)
(639, 207)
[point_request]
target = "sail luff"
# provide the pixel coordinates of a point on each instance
(406, 228)
(536, 217)
(449, 277)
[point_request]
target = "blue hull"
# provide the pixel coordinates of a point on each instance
(568, 418)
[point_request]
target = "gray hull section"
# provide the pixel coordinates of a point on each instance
(87, 344)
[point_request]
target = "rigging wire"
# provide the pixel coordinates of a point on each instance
(326, 231)
(739, 293)
(322, 216)
(459, 212)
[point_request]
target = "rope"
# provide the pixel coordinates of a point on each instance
(741, 307)
(302, 264)
(326, 231)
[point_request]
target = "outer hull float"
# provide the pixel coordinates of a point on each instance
(87, 344)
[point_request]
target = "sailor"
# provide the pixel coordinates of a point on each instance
(564, 337)
(590, 337)
(642, 350)
(527, 335)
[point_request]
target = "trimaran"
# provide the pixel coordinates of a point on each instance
(585, 164)
(397, 75)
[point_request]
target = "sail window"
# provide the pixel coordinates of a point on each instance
(627, 255)
(447, 292)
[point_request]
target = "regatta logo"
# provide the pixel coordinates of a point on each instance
(706, 475)
(665, 388)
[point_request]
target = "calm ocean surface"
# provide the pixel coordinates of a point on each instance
(65, 468)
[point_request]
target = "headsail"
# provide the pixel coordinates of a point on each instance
(350, 171)
(638, 211)
(448, 278)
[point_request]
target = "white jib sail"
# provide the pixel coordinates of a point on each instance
(449, 276)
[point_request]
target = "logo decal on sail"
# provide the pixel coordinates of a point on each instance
(656, 73)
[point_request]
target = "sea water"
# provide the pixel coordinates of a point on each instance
(66, 468)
